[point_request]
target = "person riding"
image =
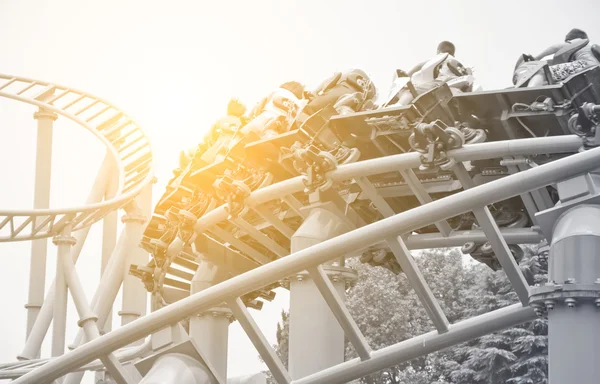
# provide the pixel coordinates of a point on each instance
(443, 47)
(445, 68)
(217, 135)
(583, 58)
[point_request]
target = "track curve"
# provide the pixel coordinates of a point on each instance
(124, 140)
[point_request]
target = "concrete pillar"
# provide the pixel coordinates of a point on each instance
(175, 368)
(316, 338)
(210, 329)
(41, 199)
(210, 332)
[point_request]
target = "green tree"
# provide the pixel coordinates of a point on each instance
(387, 311)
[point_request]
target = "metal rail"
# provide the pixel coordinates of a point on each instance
(126, 143)
(360, 238)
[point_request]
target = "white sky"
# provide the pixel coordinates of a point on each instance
(173, 66)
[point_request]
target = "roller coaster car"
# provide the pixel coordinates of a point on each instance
(551, 110)
(385, 131)
(310, 139)
(436, 109)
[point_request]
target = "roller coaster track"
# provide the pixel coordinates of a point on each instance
(125, 142)
(385, 230)
(252, 238)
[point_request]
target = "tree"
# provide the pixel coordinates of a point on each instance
(387, 311)
(516, 355)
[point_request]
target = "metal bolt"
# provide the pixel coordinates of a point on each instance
(571, 302)
(549, 304)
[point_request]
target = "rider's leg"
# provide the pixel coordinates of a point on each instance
(537, 80)
(405, 97)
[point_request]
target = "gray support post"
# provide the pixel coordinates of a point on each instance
(572, 297)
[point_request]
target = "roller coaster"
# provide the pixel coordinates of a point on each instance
(282, 195)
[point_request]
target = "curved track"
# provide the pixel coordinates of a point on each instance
(358, 239)
(254, 243)
(125, 142)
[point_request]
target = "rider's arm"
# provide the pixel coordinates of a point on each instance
(549, 51)
(416, 68)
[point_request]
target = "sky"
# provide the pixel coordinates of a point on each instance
(174, 65)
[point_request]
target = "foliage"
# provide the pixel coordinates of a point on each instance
(387, 310)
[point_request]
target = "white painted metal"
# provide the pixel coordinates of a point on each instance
(325, 235)
(40, 328)
(109, 236)
(336, 304)
(41, 199)
(130, 165)
(417, 281)
(210, 329)
(310, 312)
(59, 323)
(135, 297)
(260, 342)
(404, 222)
(112, 127)
(422, 345)
(87, 318)
(491, 230)
(111, 281)
(177, 368)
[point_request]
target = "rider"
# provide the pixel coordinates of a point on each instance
(223, 128)
(443, 47)
(580, 60)
(448, 69)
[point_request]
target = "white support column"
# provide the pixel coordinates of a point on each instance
(175, 368)
(40, 328)
(64, 242)
(111, 281)
(316, 337)
(87, 319)
(109, 236)
(135, 296)
(210, 330)
(41, 199)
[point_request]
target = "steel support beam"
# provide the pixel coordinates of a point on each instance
(418, 283)
(259, 341)
(494, 236)
(422, 345)
(40, 328)
(404, 222)
(41, 199)
(109, 234)
(59, 324)
(421, 194)
(339, 310)
(135, 297)
(573, 314)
